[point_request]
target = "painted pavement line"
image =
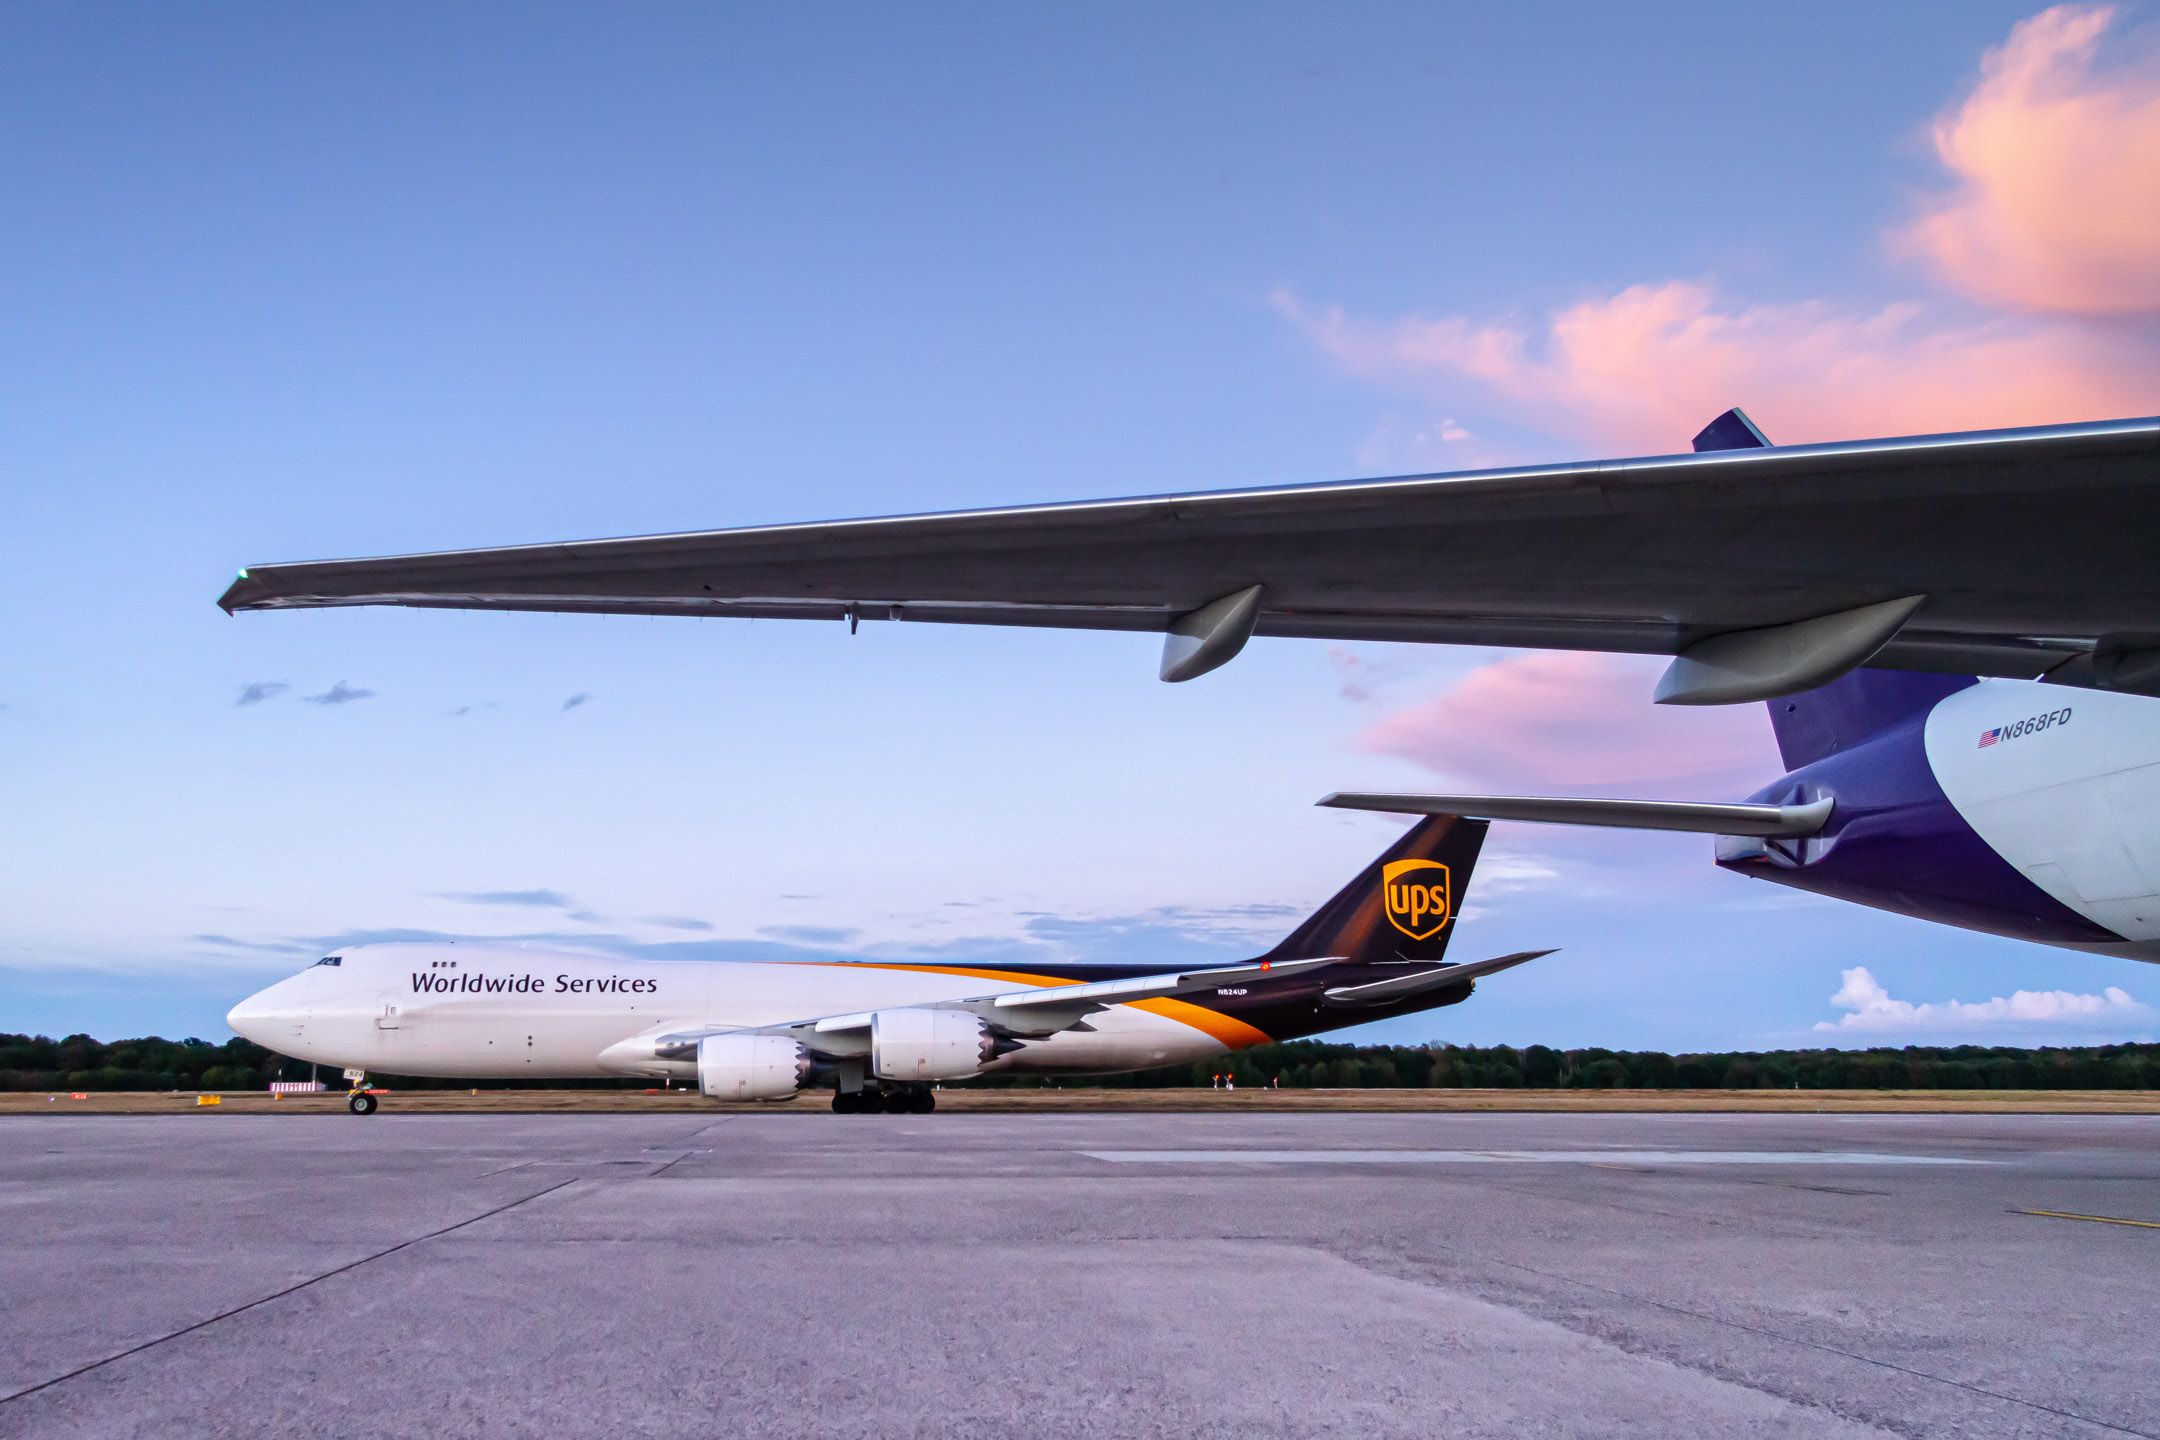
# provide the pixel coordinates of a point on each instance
(2097, 1219)
(1521, 1157)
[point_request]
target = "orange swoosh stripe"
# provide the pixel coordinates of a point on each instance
(1232, 1032)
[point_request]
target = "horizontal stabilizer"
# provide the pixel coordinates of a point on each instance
(1399, 987)
(1769, 821)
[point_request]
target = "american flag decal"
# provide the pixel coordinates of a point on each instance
(1990, 737)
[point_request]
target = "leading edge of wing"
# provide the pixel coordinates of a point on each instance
(405, 579)
(1095, 996)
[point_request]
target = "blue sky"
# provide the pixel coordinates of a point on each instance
(289, 282)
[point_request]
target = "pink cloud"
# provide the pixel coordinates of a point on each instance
(1355, 672)
(2057, 203)
(1578, 722)
(1643, 370)
(2056, 214)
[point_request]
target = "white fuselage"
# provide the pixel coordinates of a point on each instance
(2068, 792)
(500, 1012)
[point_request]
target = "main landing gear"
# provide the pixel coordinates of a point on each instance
(900, 1100)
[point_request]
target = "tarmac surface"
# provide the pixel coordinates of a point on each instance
(1076, 1099)
(1079, 1275)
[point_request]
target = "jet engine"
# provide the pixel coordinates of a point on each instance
(931, 1044)
(751, 1067)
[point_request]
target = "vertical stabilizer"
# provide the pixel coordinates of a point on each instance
(1403, 906)
(1731, 431)
(1852, 708)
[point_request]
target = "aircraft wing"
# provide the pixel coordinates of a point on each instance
(1032, 1012)
(2006, 552)
(1051, 1008)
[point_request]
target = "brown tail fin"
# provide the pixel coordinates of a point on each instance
(1403, 906)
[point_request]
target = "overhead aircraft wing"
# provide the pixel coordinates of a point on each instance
(2004, 552)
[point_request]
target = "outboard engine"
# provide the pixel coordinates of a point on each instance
(751, 1067)
(923, 1045)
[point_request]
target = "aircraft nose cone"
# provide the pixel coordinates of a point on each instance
(247, 1017)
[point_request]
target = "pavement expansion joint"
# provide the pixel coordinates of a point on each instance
(1767, 1333)
(260, 1301)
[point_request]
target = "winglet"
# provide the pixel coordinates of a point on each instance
(1731, 431)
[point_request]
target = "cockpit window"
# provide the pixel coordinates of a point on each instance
(331, 960)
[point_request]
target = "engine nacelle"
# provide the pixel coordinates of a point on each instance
(751, 1067)
(929, 1044)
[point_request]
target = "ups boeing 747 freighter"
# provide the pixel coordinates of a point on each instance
(881, 1035)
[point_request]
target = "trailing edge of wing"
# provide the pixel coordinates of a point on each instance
(1701, 817)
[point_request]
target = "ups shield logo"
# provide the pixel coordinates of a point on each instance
(1417, 897)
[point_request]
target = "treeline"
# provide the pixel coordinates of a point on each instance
(30, 1062)
(81, 1063)
(34, 1062)
(1315, 1064)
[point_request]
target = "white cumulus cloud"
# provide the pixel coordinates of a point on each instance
(1872, 1009)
